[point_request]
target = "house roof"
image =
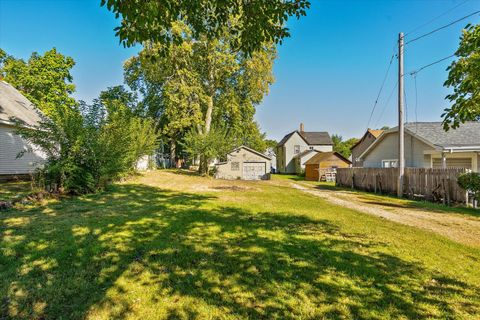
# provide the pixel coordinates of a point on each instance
(310, 137)
(432, 133)
(15, 108)
(322, 156)
(252, 151)
(374, 133)
(304, 153)
(467, 134)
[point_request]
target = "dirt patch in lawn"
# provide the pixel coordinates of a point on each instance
(462, 229)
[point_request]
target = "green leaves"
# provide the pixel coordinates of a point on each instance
(44, 80)
(200, 83)
(343, 147)
(464, 79)
(470, 182)
(255, 21)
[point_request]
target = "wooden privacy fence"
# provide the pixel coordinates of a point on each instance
(437, 185)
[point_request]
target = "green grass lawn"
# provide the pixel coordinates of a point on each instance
(173, 246)
(9, 190)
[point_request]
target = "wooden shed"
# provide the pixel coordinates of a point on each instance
(324, 165)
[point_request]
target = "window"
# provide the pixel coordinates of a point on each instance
(296, 149)
(235, 166)
(390, 163)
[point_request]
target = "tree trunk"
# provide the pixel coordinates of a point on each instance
(173, 153)
(203, 167)
(208, 115)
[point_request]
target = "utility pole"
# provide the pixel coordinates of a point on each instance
(401, 131)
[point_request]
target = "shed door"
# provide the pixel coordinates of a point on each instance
(253, 170)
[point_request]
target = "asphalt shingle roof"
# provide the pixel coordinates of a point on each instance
(468, 134)
(14, 107)
(312, 138)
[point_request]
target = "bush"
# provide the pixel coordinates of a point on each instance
(471, 183)
(87, 150)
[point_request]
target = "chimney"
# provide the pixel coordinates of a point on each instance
(302, 128)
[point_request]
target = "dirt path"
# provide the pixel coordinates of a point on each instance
(462, 229)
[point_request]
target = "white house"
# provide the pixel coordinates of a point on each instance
(15, 108)
(294, 146)
(427, 145)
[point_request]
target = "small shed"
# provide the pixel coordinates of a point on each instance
(245, 164)
(323, 166)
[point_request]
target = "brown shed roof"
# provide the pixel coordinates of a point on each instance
(322, 156)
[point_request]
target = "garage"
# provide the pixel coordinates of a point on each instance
(245, 164)
(253, 170)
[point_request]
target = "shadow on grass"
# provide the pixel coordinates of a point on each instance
(59, 261)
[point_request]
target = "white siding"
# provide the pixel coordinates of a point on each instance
(322, 148)
(10, 146)
(300, 162)
(387, 149)
(289, 153)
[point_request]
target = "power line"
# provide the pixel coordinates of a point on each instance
(386, 104)
(431, 64)
(436, 18)
(406, 105)
(380, 91)
(442, 27)
(416, 103)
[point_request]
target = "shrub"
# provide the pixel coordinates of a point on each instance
(87, 150)
(470, 182)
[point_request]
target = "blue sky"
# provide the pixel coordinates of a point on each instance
(327, 74)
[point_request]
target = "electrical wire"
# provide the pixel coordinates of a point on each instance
(442, 27)
(431, 64)
(436, 18)
(416, 102)
(386, 104)
(380, 91)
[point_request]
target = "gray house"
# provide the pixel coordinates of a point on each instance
(291, 150)
(245, 164)
(427, 145)
(15, 109)
(358, 148)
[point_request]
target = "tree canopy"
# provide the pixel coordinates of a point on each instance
(43, 79)
(202, 83)
(86, 146)
(255, 21)
(464, 79)
(341, 146)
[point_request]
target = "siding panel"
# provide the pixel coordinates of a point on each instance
(10, 146)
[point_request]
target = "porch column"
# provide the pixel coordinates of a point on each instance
(444, 161)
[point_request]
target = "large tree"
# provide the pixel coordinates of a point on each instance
(257, 21)
(464, 79)
(43, 79)
(202, 83)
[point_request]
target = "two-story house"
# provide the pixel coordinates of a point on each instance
(299, 146)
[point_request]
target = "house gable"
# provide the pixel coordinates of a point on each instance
(385, 148)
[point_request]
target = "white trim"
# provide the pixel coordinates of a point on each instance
(389, 160)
